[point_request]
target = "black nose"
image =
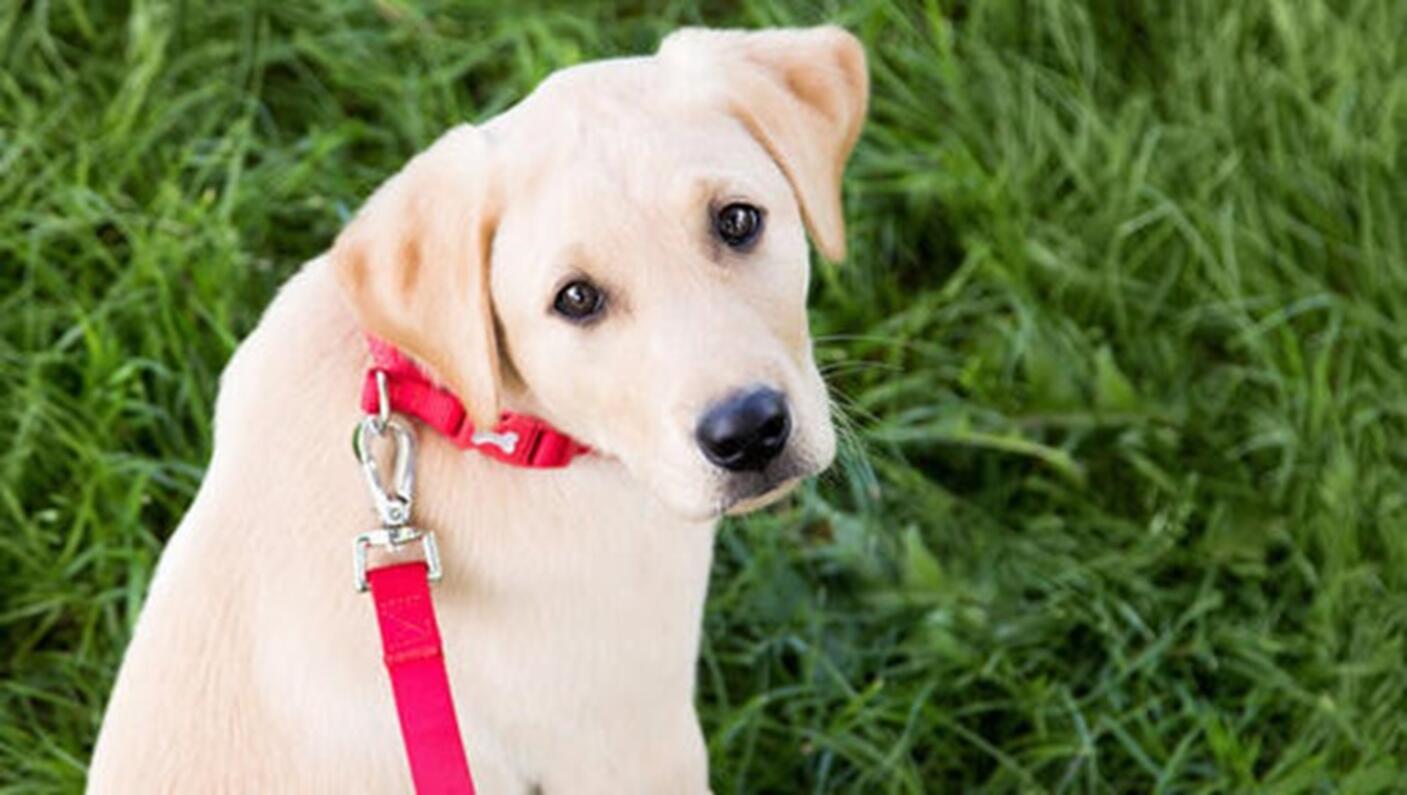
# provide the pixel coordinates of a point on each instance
(745, 431)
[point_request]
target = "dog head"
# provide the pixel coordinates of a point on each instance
(624, 254)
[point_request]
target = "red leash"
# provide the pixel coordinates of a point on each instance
(410, 636)
(410, 642)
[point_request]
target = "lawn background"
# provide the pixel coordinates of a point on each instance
(1121, 348)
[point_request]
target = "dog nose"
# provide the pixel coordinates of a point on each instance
(746, 431)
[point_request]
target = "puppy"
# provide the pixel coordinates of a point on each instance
(624, 255)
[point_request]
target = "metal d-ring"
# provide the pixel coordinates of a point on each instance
(392, 505)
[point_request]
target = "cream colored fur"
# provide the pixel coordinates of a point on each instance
(572, 598)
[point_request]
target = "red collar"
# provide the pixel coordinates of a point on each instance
(518, 439)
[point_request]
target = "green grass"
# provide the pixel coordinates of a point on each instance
(1122, 347)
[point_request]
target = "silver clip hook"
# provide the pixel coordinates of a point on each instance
(393, 505)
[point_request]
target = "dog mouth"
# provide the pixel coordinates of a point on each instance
(752, 491)
(738, 505)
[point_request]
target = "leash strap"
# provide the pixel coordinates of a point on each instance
(410, 636)
(410, 641)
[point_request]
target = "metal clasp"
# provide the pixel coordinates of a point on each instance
(393, 538)
(392, 504)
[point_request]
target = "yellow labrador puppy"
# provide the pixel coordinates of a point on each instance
(622, 254)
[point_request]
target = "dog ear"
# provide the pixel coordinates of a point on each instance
(801, 92)
(414, 265)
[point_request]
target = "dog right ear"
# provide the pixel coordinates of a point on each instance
(414, 265)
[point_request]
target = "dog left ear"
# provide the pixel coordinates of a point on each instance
(801, 92)
(414, 265)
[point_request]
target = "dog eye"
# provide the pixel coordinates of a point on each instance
(579, 300)
(738, 224)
